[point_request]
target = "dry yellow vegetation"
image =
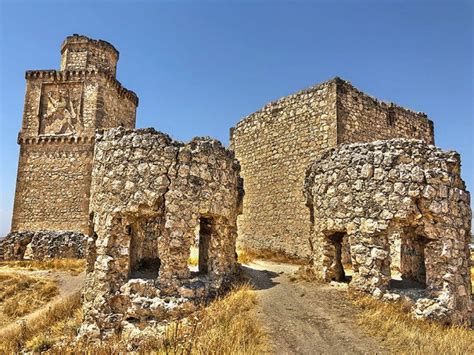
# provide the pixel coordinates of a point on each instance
(402, 333)
(228, 325)
(21, 295)
(193, 259)
(246, 256)
(58, 321)
(74, 266)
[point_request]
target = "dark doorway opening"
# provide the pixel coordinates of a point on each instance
(342, 257)
(412, 259)
(144, 259)
(206, 229)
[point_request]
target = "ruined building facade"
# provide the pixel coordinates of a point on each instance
(151, 199)
(276, 144)
(63, 109)
(394, 200)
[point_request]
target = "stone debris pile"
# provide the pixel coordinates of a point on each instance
(43, 245)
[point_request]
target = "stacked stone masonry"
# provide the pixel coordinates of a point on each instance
(275, 145)
(151, 198)
(43, 245)
(400, 198)
(63, 109)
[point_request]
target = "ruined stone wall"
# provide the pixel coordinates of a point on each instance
(42, 245)
(149, 197)
(397, 192)
(116, 107)
(362, 118)
(274, 146)
(63, 109)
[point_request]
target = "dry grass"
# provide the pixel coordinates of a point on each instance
(246, 256)
(305, 273)
(472, 272)
(59, 318)
(193, 259)
(227, 326)
(74, 266)
(402, 333)
(472, 280)
(21, 295)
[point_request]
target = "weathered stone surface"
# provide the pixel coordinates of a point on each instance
(151, 198)
(414, 210)
(62, 111)
(42, 245)
(275, 145)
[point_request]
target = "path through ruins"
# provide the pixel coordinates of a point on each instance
(306, 318)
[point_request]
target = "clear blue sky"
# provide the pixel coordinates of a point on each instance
(199, 66)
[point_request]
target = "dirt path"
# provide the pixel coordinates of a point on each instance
(68, 284)
(306, 318)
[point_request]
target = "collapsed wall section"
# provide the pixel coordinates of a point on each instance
(42, 245)
(399, 197)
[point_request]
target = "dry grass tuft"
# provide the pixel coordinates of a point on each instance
(305, 273)
(193, 259)
(21, 295)
(74, 266)
(403, 333)
(246, 256)
(227, 326)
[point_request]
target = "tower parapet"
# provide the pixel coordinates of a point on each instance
(83, 53)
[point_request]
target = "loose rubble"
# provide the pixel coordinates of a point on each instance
(42, 245)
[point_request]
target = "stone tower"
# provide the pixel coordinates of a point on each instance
(62, 111)
(276, 144)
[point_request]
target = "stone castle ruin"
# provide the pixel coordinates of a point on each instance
(276, 144)
(394, 197)
(63, 109)
(150, 198)
(330, 174)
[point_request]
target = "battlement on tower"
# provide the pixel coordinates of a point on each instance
(83, 53)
